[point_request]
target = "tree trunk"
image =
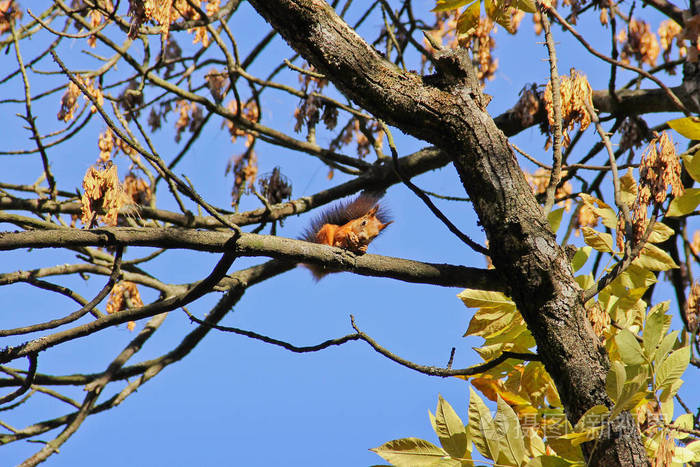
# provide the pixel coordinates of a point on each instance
(447, 109)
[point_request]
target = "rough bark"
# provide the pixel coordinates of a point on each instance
(447, 110)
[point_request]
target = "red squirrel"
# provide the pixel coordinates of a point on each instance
(351, 225)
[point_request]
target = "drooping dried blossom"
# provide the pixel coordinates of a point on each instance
(131, 99)
(138, 190)
(576, 92)
(695, 243)
(482, 42)
(250, 112)
(599, 318)
(103, 196)
(308, 111)
(245, 171)
(633, 132)
(659, 170)
(639, 42)
(124, 295)
(604, 16)
(69, 101)
(217, 82)
(154, 120)
(692, 307)
(669, 32)
(105, 143)
(190, 117)
(528, 105)
(586, 218)
(275, 187)
(9, 11)
(172, 53)
(96, 19)
(539, 181)
(330, 116)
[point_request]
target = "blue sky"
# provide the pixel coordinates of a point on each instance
(235, 401)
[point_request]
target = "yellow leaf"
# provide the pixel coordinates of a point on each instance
(445, 5)
(450, 429)
(474, 298)
(411, 451)
(692, 166)
(660, 233)
(688, 126)
(685, 203)
(672, 367)
(526, 5)
(599, 240)
(469, 19)
(654, 259)
(554, 218)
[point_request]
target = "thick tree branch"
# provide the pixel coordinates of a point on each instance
(296, 251)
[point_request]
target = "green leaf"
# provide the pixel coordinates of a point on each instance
(653, 331)
(482, 430)
(615, 380)
(593, 417)
(634, 390)
(548, 461)
(599, 240)
(474, 298)
(510, 435)
(665, 347)
(469, 19)
(450, 429)
(630, 350)
(445, 5)
(526, 5)
(692, 166)
(554, 218)
(685, 203)
(660, 233)
(655, 259)
(585, 281)
(688, 126)
(411, 452)
(672, 367)
(580, 257)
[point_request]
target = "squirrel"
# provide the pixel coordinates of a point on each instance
(351, 225)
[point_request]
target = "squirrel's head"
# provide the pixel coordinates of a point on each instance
(369, 226)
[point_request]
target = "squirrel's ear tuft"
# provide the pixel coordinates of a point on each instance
(373, 212)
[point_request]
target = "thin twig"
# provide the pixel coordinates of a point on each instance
(556, 130)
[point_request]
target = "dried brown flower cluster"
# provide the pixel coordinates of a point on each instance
(103, 196)
(110, 145)
(124, 295)
(539, 181)
(96, 19)
(217, 82)
(695, 243)
(275, 187)
(576, 92)
(528, 105)
(586, 218)
(189, 117)
(131, 100)
(250, 112)
(639, 42)
(69, 101)
(633, 131)
(481, 41)
(245, 171)
(138, 190)
(164, 12)
(692, 307)
(599, 318)
(308, 113)
(9, 11)
(659, 170)
(360, 132)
